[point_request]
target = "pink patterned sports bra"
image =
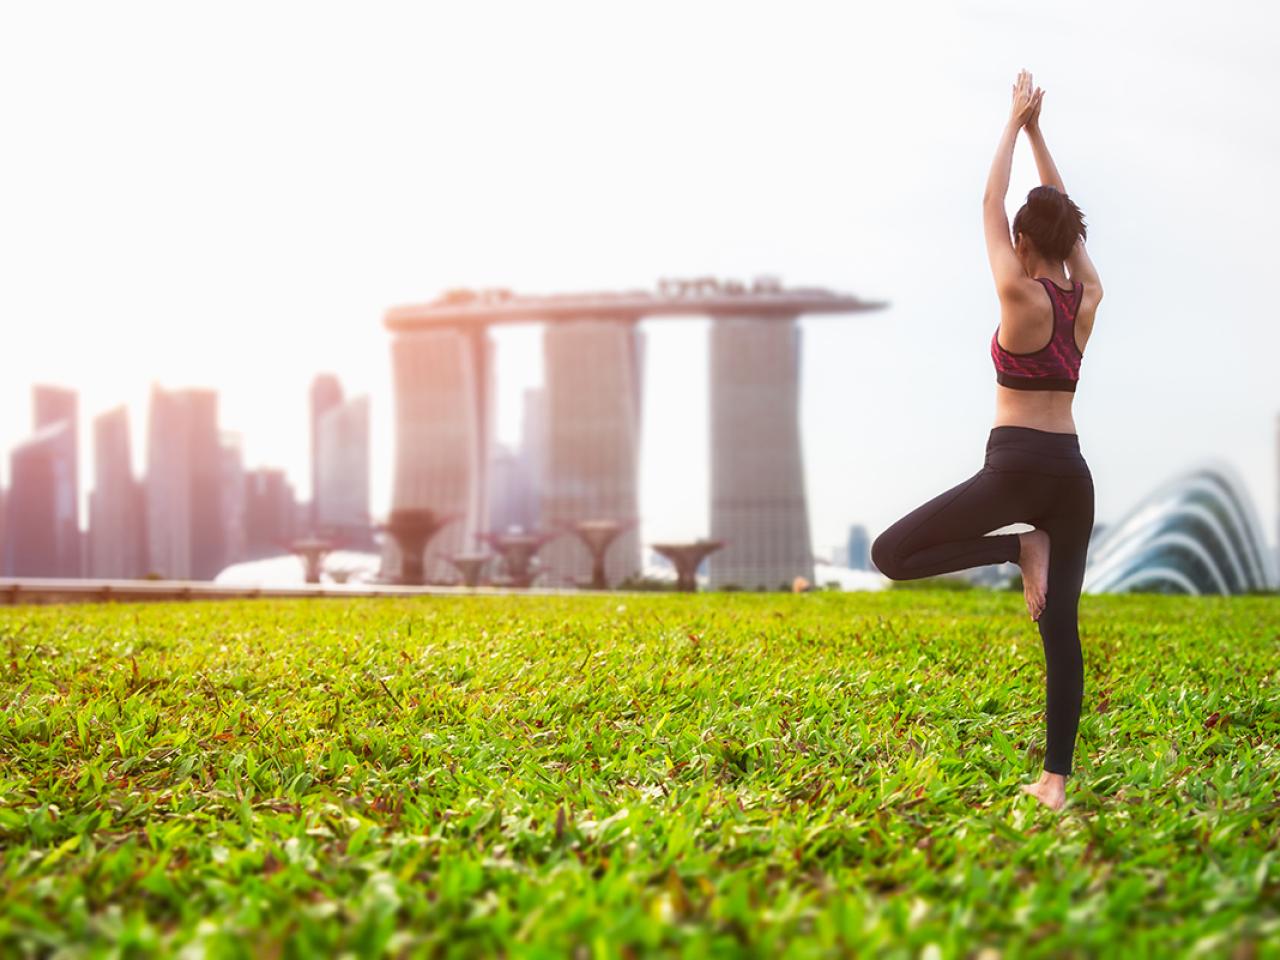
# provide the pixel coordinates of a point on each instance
(1056, 365)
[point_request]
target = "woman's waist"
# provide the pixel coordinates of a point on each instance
(1045, 410)
(1042, 437)
(1055, 422)
(1029, 449)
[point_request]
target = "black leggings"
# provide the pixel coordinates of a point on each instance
(1029, 476)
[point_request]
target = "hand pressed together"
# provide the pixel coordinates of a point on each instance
(1025, 110)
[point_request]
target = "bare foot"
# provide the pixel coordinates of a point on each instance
(1051, 790)
(1033, 558)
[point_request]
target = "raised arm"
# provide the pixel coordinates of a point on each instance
(1011, 280)
(1078, 263)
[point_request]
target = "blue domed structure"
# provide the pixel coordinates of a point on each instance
(1197, 533)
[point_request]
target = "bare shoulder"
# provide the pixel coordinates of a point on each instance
(1018, 292)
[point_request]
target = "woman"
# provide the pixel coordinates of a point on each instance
(1034, 472)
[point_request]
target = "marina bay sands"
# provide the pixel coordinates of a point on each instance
(593, 355)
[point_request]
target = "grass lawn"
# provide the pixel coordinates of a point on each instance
(627, 774)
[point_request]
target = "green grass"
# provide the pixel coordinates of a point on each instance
(621, 775)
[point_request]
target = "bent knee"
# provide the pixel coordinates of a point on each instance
(884, 556)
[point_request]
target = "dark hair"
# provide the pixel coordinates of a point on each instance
(1052, 222)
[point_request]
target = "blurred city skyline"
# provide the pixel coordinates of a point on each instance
(232, 200)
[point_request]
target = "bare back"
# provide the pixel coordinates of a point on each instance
(1026, 323)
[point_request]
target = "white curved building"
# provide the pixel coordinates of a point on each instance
(1197, 533)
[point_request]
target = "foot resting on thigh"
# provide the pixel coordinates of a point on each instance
(1033, 558)
(1051, 790)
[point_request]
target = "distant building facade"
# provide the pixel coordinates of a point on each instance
(326, 394)
(270, 513)
(341, 495)
(41, 539)
(117, 529)
(231, 486)
(594, 374)
(533, 448)
(511, 490)
(185, 530)
(858, 556)
(52, 405)
(443, 396)
(758, 502)
(516, 475)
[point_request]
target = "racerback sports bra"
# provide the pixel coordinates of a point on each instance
(1056, 365)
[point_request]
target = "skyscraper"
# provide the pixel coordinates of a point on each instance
(185, 534)
(116, 547)
(758, 503)
(514, 485)
(269, 512)
(342, 490)
(326, 393)
(593, 381)
(52, 405)
(40, 538)
(533, 448)
(443, 425)
(510, 493)
(859, 554)
(231, 485)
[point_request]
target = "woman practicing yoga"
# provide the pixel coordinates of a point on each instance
(1034, 472)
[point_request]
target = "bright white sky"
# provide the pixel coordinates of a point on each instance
(230, 195)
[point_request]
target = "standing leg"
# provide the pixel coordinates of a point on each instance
(1068, 523)
(946, 533)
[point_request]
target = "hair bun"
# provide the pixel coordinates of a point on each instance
(1051, 220)
(1045, 198)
